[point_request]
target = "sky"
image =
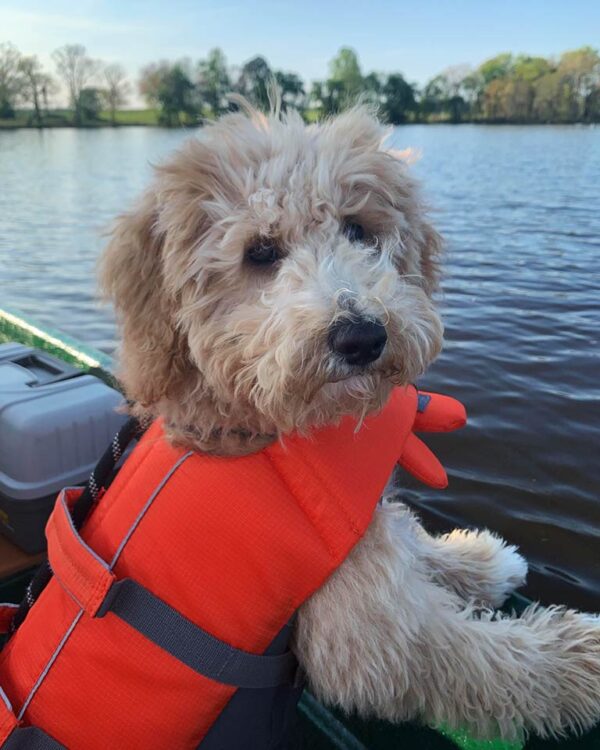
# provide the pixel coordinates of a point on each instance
(418, 38)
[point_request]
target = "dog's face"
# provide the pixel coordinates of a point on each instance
(281, 274)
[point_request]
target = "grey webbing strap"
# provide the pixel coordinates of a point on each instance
(188, 643)
(31, 738)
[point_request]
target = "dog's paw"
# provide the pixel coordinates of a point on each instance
(480, 566)
(507, 572)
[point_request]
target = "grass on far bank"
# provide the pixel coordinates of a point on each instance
(63, 118)
(132, 117)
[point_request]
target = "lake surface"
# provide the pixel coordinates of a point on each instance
(520, 208)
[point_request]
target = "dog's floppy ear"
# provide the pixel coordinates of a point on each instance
(425, 240)
(431, 247)
(131, 275)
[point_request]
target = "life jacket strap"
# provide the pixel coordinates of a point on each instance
(31, 738)
(84, 575)
(190, 644)
(91, 583)
(14, 737)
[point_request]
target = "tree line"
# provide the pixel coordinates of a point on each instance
(506, 88)
(91, 84)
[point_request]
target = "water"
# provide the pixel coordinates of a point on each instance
(520, 208)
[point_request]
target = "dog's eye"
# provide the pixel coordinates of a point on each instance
(354, 232)
(263, 253)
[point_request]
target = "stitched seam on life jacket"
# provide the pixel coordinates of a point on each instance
(303, 507)
(147, 505)
(352, 522)
(97, 591)
(67, 590)
(51, 661)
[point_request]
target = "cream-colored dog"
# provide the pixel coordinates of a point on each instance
(275, 277)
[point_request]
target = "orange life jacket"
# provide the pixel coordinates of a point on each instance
(162, 608)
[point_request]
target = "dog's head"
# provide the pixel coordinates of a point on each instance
(274, 277)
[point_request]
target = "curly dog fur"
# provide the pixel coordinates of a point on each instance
(233, 353)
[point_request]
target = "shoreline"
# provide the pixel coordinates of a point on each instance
(8, 125)
(63, 118)
(92, 126)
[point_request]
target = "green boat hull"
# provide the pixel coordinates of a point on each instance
(319, 728)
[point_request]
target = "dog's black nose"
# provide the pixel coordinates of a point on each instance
(358, 342)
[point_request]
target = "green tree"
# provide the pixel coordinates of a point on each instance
(593, 106)
(11, 79)
(169, 87)
(373, 83)
(292, 90)
(344, 86)
(472, 88)
(581, 68)
(316, 97)
(372, 89)
(499, 66)
(529, 69)
(214, 82)
(176, 96)
(456, 101)
(432, 98)
(116, 89)
(443, 96)
(89, 104)
(345, 78)
(76, 69)
(519, 100)
(327, 97)
(554, 99)
(398, 99)
(254, 82)
(493, 105)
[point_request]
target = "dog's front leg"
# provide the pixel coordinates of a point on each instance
(384, 639)
(477, 564)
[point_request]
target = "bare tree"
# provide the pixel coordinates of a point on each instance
(11, 79)
(76, 69)
(36, 85)
(117, 88)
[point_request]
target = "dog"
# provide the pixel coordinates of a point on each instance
(276, 277)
